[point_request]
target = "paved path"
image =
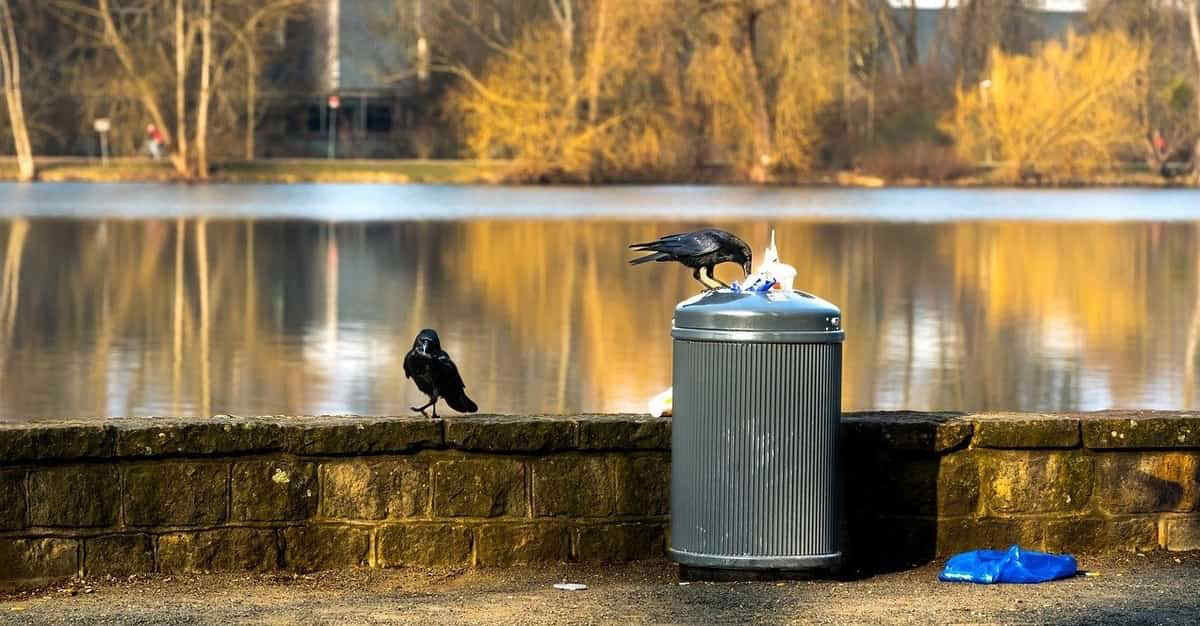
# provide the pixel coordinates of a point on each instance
(1152, 589)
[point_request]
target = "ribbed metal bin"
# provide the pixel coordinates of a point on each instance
(754, 445)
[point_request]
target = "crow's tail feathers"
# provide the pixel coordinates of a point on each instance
(657, 256)
(460, 402)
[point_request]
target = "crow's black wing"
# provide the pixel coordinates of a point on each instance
(450, 385)
(446, 375)
(683, 244)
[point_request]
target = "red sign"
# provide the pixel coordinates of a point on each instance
(334, 102)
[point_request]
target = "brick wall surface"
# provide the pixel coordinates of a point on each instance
(137, 495)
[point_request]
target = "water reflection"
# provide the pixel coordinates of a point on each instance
(196, 316)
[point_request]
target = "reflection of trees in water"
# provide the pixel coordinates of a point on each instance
(189, 317)
(10, 281)
(1193, 336)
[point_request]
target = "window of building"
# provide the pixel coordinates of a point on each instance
(314, 118)
(379, 118)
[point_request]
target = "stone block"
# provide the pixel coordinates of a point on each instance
(575, 486)
(373, 489)
(1110, 430)
(118, 555)
(31, 561)
(1025, 431)
(504, 545)
(224, 549)
(323, 547)
(60, 441)
(959, 535)
(486, 487)
(620, 542)
(357, 435)
(511, 434)
(923, 485)
(643, 484)
(1183, 533)
(1147, 482)
(624, 432)
(180, 493)
(425, 545)
(1096, 536)
(1036, 482)
(274, 490)
(931, 433)
(12, 500)
(74, 496)
(177, 436)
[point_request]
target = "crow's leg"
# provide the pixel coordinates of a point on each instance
(707, 278)
(696, 275)
(421, 409)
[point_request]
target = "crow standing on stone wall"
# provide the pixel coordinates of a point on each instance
(435, 374)
(701, 250)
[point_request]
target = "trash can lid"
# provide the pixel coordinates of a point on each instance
(773, 317)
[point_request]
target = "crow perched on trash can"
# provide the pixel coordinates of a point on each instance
(435, 374)
(701, 250)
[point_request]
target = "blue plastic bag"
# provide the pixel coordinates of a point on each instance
(1007, 566)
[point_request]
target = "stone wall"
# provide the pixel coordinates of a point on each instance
(174, 495)
(920, 486)
(135, 495)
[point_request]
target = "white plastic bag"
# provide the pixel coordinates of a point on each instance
(771, 274)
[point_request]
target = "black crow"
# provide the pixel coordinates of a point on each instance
(701, 251)
(435, 374)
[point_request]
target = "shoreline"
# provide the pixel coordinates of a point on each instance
(468, 172)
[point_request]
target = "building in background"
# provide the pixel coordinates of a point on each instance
(363, 53)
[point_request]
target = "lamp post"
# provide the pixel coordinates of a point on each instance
(102, 126)
(334, 103)
(984, 85)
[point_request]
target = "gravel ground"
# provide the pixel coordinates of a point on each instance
(1158, 588)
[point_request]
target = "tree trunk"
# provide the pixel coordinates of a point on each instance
(205, 91)
(763, 151)
(596, 60)
(10, 72)
(884, 14)
(564, 14)
(251, 100)
(910, 37)
(180, 156)
(1194, 26)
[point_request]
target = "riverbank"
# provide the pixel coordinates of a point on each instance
(1153, 588)
(452, 171)
(69, 169)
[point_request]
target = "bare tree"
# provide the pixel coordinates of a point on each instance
(10, 72)
(177, 54)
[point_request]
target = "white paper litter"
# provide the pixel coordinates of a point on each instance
(660, 405)
(570, 586)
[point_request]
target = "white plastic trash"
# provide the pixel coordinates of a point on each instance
(771, 274)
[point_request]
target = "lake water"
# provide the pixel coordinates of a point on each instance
(177, 300)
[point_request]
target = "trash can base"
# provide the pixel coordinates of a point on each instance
(688, 573)
(813, 561)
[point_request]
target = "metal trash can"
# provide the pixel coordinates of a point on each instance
(757, 382)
